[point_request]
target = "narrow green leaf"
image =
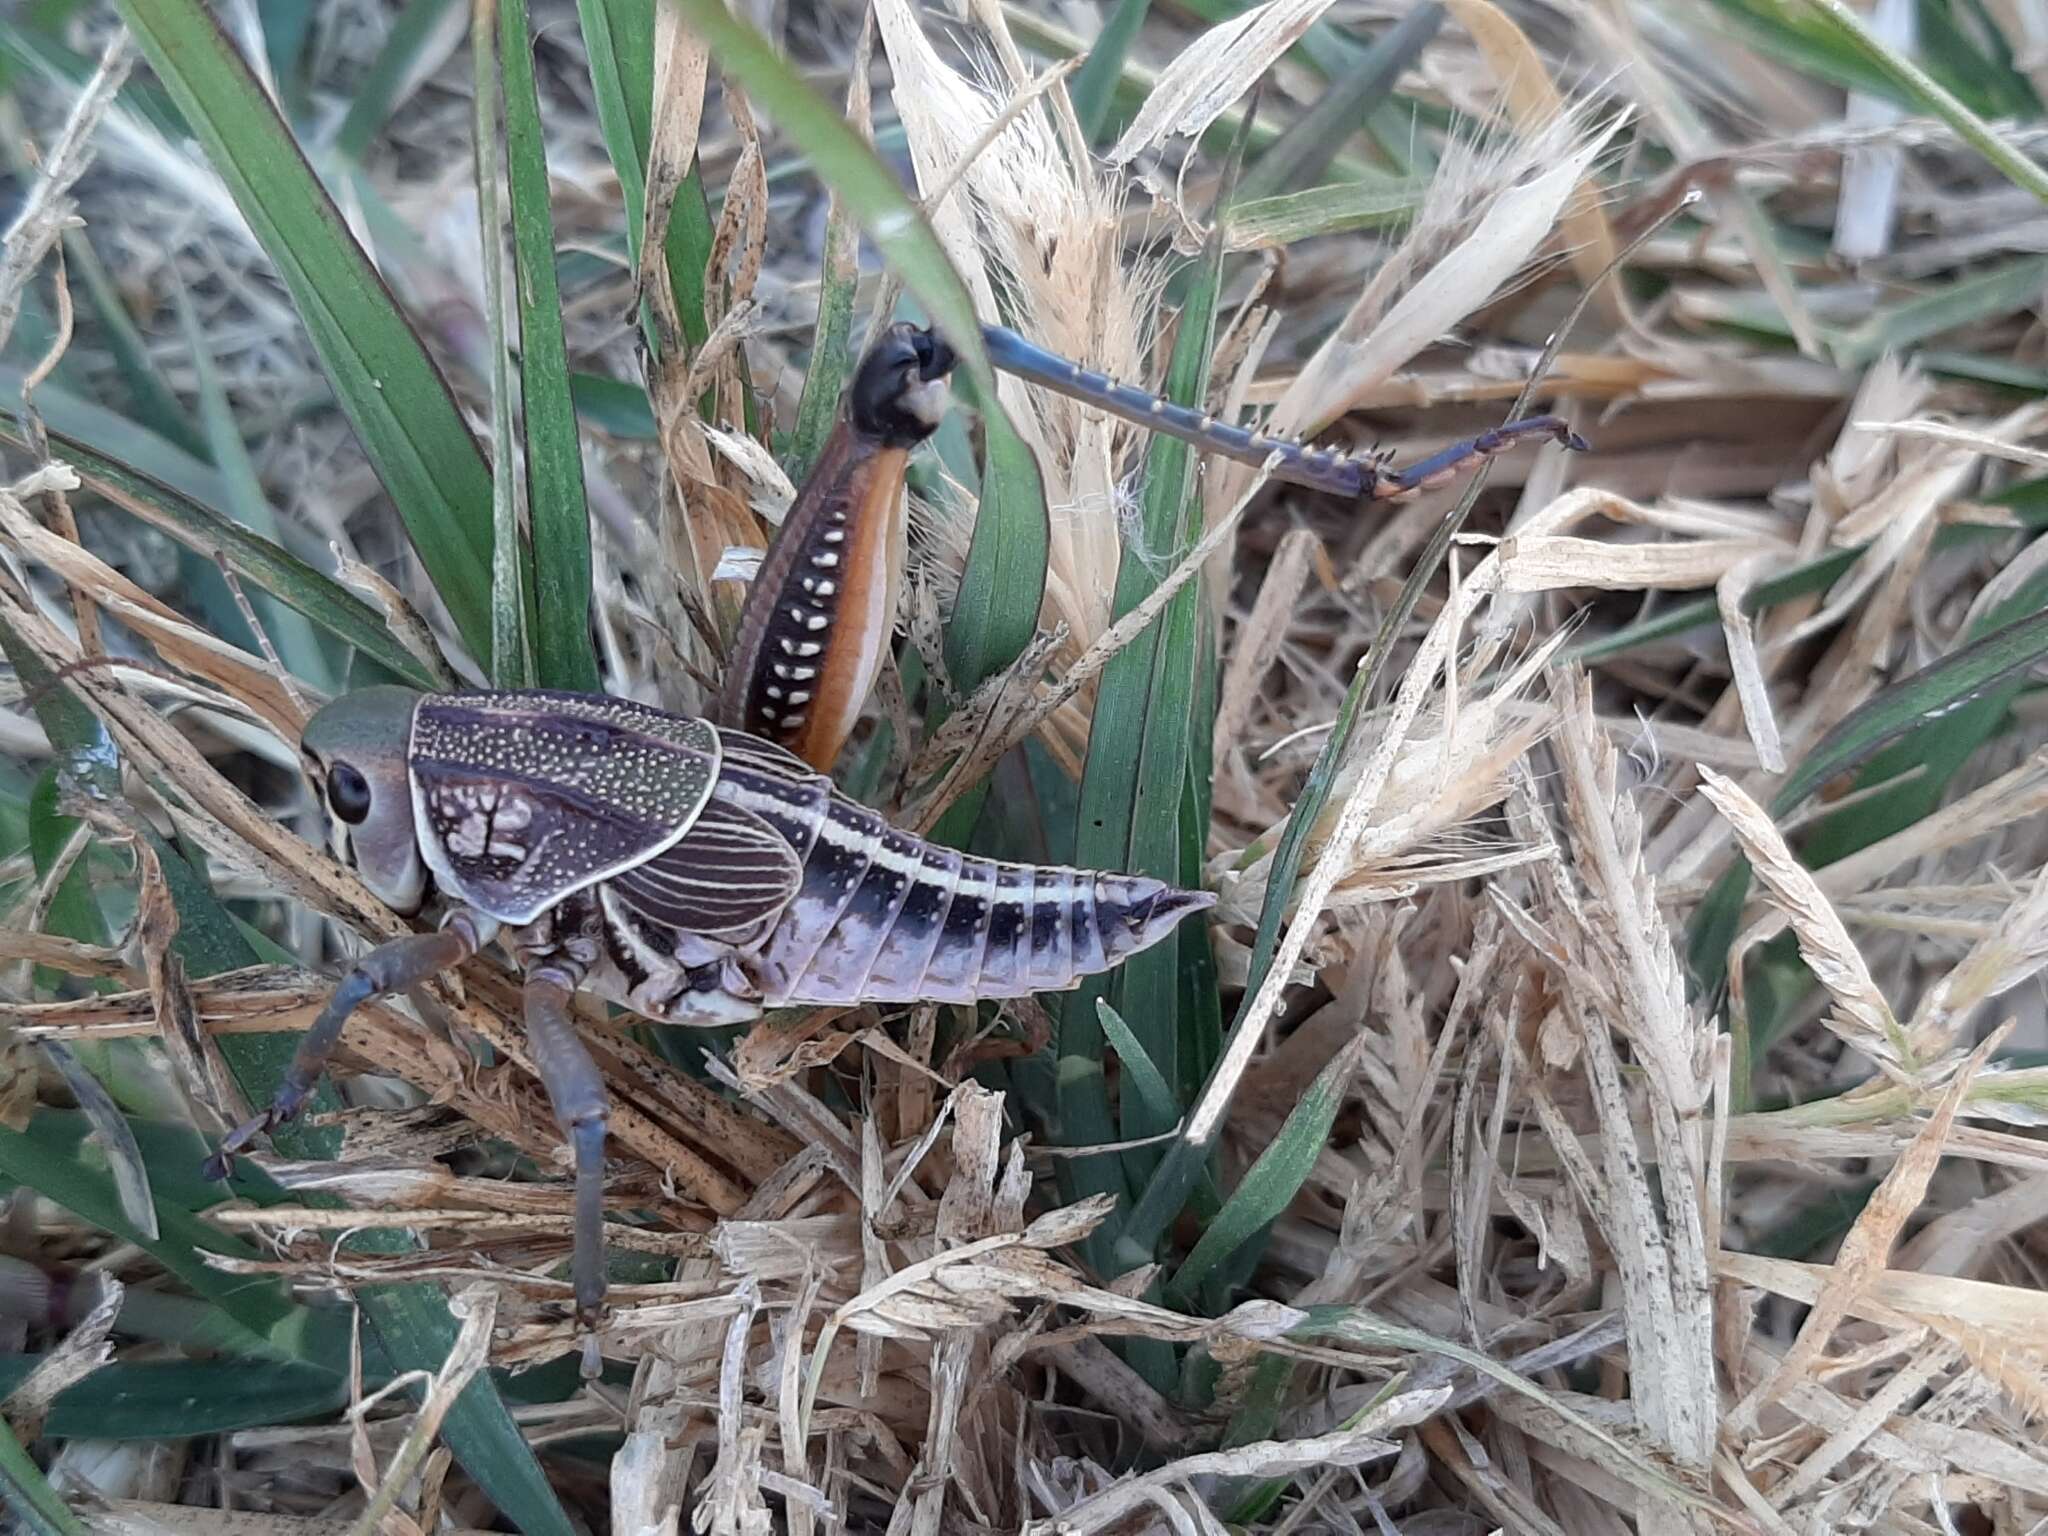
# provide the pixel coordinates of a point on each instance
(1094, 86)
(209, 532)
(2003, 372)
(1962, 695)
(1311, 142)
(556, 507)
(1289, 217)
(412, 50)
(1258, 1418)
(1002, 586)
(1140, 1075)
(417, 1331)
(613, 406)
(390, 389)
(831, 344)
(29, 1494)
(1272, 1182)
(289, 630)
(1133, 782)
(181, 1399)
(1928, 95)
(124, 1158)
(1947, 306)
(511, 661)
(618, 37)
(1934, 693)
(52, 1156)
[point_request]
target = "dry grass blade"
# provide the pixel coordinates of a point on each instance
(1870, 1240)
(34, 231)
(1861, 1015)
(1214, 71)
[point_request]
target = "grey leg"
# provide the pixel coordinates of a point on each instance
(1447, 463)
(576, 1090)
(392, 967)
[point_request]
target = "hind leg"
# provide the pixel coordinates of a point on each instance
(1447, 463)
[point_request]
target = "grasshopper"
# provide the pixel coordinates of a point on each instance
(700, 873)
(694, 874)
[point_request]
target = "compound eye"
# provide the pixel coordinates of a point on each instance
(348, 794)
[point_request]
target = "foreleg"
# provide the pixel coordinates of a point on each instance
(576, 1091)
(394, 967)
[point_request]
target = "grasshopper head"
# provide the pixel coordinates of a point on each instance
(357, 745)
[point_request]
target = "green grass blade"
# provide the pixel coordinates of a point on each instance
(1311, 142)
(511, 659)
(831, 340)
(1944, 307)
(1271, 1183)
(613, 406)
(1961, 697)
(417, 1330)
(204, 529)
(180, 1399)
(110, 1129)
(1141, 1076)
(1925, 94)
(1289, 217)
(29, 1494)
(1003, 583)
(408, 56)
(556, 507)
(1975, 672)
(1132, 796)
(289, 630)
(387, 385)
(1094, 87)
(52, 1156)
(618, 37)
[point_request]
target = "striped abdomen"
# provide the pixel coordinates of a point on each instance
(882, 916)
